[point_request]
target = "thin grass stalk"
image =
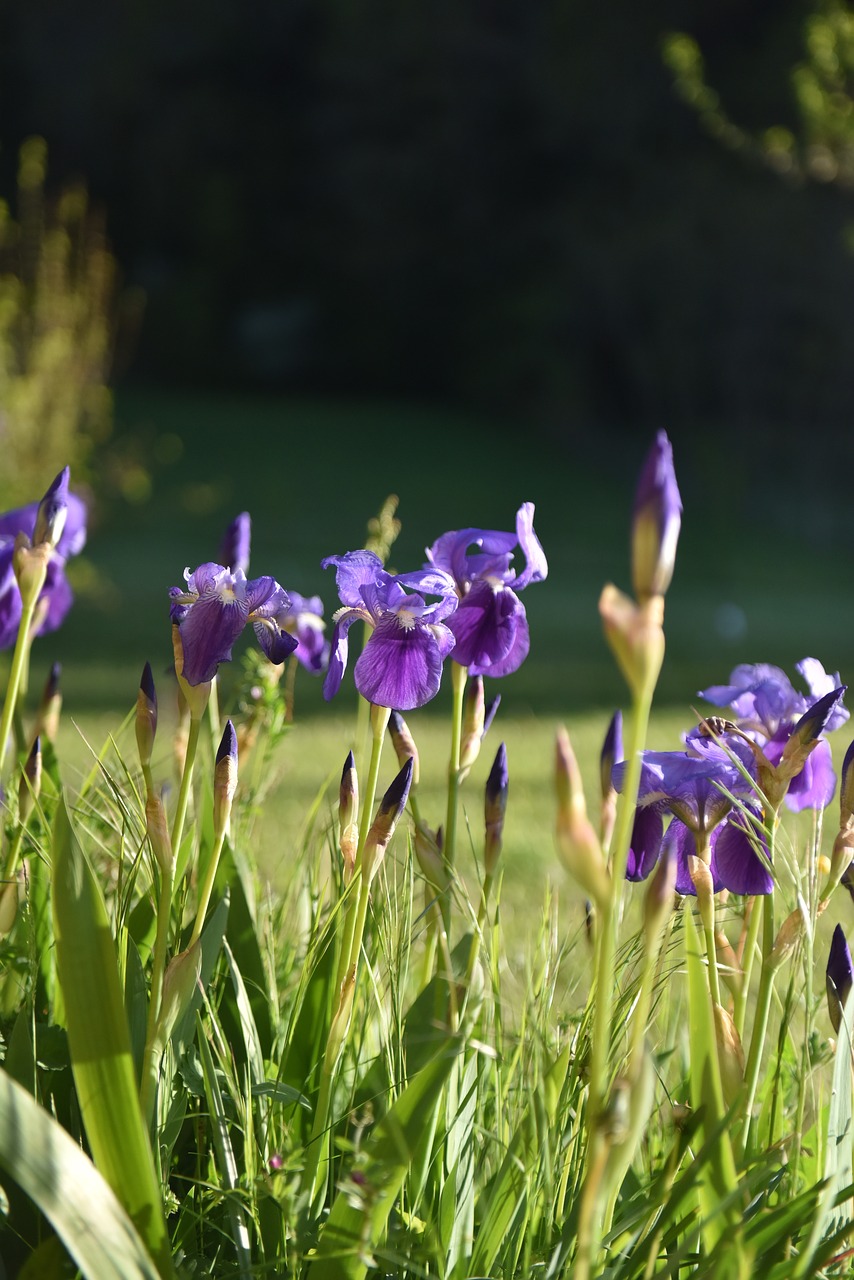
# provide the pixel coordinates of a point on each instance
(459, 676)
(748, 954)
(186, 784)
(591, 1216)
(151, 1055)
(764, 995)
(20, 665)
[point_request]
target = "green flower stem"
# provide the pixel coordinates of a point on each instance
(591, 1215)
(213, 715)
(379, 722)
(749, 951)
(207, 889)
(764, 995)
(151, 1055)
(14, 852)
(186, 782)
(459, 676)
(348, 964)
(20, 667)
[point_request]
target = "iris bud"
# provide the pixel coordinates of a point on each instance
(146, 716)
(577, 842)
(495, 805)
(656, 524)
(158, 832)
(382, 829)
(348, 816)
(612, 753)
(839, 978)
(52, 512)
(428, 851)
(474, 715)
(31, 782)
(730, 1055)
(225, 778)
(404, 744)
(47, 718)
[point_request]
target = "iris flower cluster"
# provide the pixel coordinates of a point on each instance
(475, 614)
(717, 788)
(464, 602)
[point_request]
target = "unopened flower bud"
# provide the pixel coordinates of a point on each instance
(31, 781)
(611, 754)
(730, 1055)
(635, 634)
(474, 714)
(497, 786)
(30, 564)
(577, 842)
(404, 744)
(656, 523)
(146, 716)
(47, 717)
(234, 548)
(225, 778)
(382, 829)
(805, 734)
(52, 512)
(348, 816)
(158, 832)
(839, 978)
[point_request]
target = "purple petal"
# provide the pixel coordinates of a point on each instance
(536, 567)
(264, 596)
(645, 845)
(400, 666)
(10, 597)
(485, 625)
(815, 785)
(735, 862)
(236, 542)
(820, 683)
(352, 571)
(276, 643)
(339, 649)
(515, 656)
(208, 632)
(679, 842)
(59, 597)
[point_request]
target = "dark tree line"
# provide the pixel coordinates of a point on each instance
(499, 204)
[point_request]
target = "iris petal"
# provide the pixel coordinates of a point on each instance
(485, 625)
(646, 843)
(208, 632)
(338, 650)
(735, 862)
(400, 666)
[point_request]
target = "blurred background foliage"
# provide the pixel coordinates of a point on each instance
(472, 254)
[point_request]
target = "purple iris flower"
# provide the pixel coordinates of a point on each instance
(490, 625)
(303, 619)
(401, 664)
(213, 610)
(56, 597)
(692, 790)
(767, 707)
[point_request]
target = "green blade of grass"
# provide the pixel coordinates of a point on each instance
(98, 1037)
(53, 1171)
(357, 1220)
(718, 1179)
